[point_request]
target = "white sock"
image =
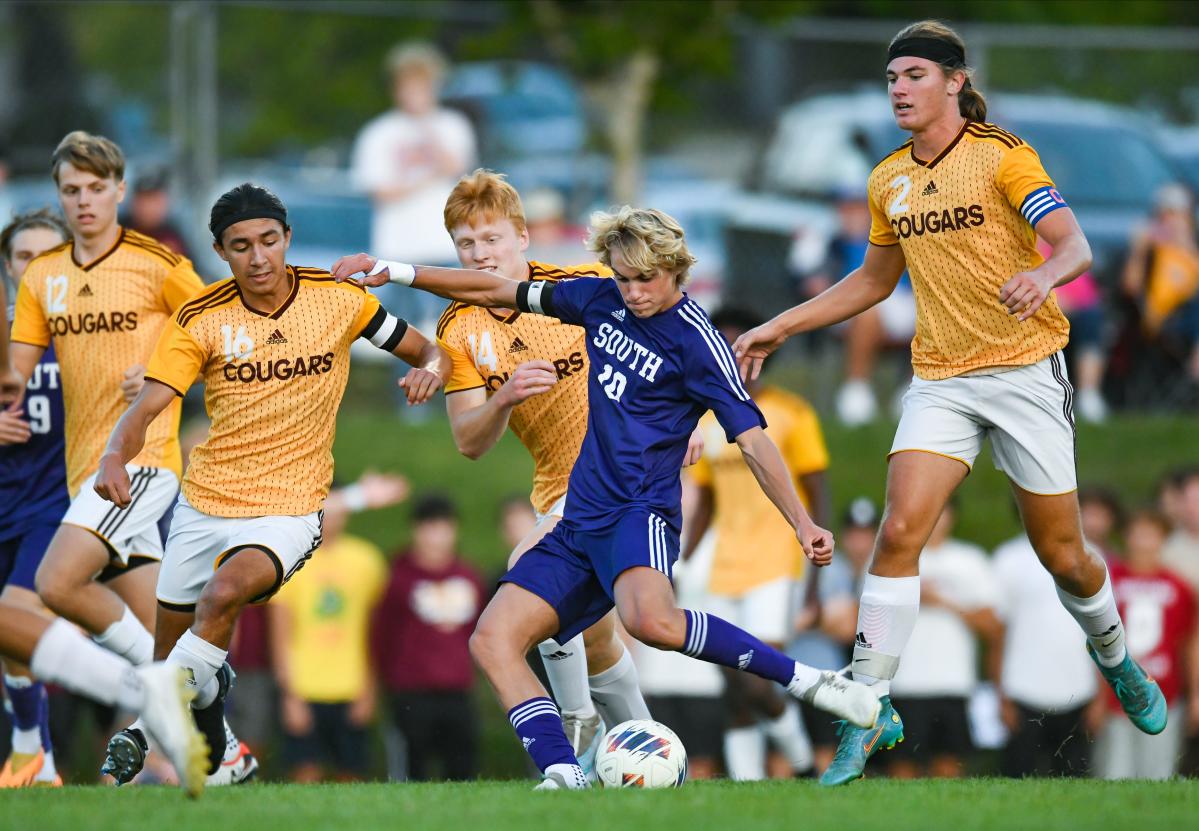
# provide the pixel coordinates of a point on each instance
(573, 774)
(745, 754)
(129, 639)
(27, 742)
(886, 618)
(65, 657)
(1100, 621)
(566, 666)
(206, 696)
(789, 736)
(49, 771)
(617, 693)
(200, 658)
(804, 679)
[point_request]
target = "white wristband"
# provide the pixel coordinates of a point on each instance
(401, 273)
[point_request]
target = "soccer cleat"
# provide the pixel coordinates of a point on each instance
(1139, 695)
(167, 716)
(239, 767)
(584, 735)
(21, 769)
(565, 778)
(842, 697)
(126, 755)
(859, 744)
(211, 720)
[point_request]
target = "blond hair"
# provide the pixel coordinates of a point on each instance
(416, 56)
(971, 103)
(483, 195)
(95, 154)
(648, 240)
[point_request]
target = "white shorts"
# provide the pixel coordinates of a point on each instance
(132, 532)
(200, 543)
(1028, 414)
(767, 612)
(558, 509)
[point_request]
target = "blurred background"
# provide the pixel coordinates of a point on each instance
(754, 123)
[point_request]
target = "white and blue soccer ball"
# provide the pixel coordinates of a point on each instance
(641, 754)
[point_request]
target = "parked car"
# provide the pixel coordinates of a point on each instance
(1102, 158)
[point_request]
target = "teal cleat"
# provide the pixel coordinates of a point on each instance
(858, 744)
(1139, 695)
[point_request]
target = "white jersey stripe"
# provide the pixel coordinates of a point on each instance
(719, 350)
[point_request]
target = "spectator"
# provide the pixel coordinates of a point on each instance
(420, 635)
(408, 160)
(823, 641)
(1046, 681)
(822, 261)
(939, 674)
(1181, 552)
(320, 641)
(150, 211)
(1158, 610)
(1102, 516)
(757, 560)
(1082, 301)
(551, 238)
(1162, 275)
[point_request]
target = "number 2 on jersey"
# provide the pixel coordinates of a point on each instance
(613, 382)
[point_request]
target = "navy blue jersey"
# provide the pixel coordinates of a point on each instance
(650, 381)
(33, 476)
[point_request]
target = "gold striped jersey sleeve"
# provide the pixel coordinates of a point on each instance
(965, 222)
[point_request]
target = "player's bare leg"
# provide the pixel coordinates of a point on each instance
(1055, 529)
(136, 588)
(513, 623)
(919, 485)
(66, 583)
(32, 759)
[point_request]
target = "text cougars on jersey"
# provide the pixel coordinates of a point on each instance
(280, 369)
(92, 322)
(934, 222)
(563, 367)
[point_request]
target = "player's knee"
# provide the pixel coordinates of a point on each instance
(661, 629)
(53, 589)
(221, 598)
(486, 646)
(898, 538)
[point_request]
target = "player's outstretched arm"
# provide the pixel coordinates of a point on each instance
(127, 440)
(1026, 291)
(430, 366)
(870, 283)
(767, 465)
(478, 288)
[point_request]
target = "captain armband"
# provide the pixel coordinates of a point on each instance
(535, 296)
(385, 330)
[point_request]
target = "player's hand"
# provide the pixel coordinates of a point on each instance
(1024, 294)
(381, 490)
(12, 388)
(420, 384)
(134, 380)
(297, 715)
(755, 346)
(112, 481)
(13, 428)
(695, 448)
(362, 708)
(347, 267)
(530, 378)
(817, 542)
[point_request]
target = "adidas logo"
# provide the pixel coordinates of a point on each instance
(929, 189)
(518, 345)
(619, 315)
(276, 337)
(743, 660)
(560, 655)
(86, 291)
(526, 741)
(860, 640)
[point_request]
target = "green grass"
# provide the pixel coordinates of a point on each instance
(887, 805)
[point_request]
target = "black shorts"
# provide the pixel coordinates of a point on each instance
(699, 721)
(934, 726)
(333, 742)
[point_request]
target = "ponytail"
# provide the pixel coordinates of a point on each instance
(971, 103)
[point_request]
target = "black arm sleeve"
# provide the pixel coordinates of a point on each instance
(536, 296)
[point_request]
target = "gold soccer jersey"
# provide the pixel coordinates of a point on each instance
(965, 222)
(487, 345)
(754, 543)
(272, 386)
(103, 318)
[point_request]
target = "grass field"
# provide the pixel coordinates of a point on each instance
(498, 806)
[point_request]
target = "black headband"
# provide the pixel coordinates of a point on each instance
(248, 213)
(934, 49)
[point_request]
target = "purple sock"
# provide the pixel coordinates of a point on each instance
(43, 720)
(25, 696)
(719, 642)
(539, 727)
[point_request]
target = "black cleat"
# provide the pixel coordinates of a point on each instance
(126, 755)
(211, 720)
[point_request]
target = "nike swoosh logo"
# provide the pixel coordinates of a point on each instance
(873, 740)
(1109, 643)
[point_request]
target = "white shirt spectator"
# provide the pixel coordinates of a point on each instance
(941, 658)
(397, 150)
(1045, 663)
(1181, 555)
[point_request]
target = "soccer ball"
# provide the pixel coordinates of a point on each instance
(641, 754)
